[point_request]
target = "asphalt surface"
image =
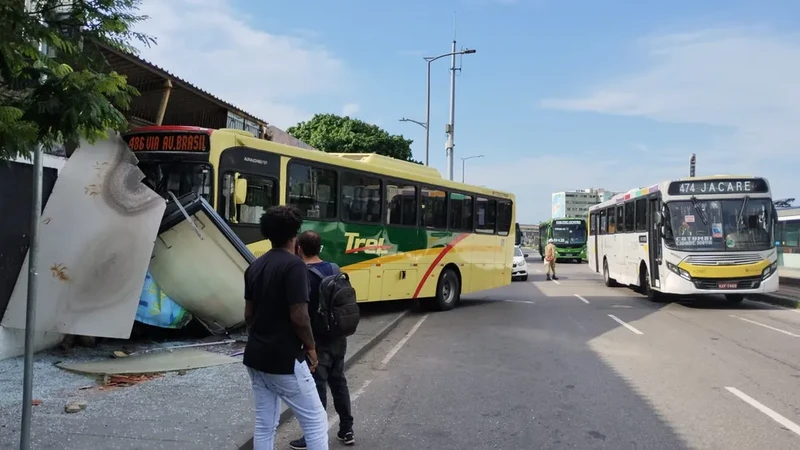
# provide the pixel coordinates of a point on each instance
(535, 366)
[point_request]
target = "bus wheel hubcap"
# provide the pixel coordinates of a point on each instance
(447, 291)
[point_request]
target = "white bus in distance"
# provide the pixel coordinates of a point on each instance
(694, 236)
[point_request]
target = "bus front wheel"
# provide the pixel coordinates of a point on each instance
(734, 298)
(448, 291)
(610, 282)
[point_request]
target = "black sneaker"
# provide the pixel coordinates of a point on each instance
(298, 444)
(346, 438)
(548, 277)
(555, 277)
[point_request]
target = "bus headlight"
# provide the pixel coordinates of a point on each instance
(681, 272)
(769, 270)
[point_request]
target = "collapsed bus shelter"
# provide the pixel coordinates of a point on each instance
(165, 99)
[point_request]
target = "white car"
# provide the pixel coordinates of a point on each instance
(520, 269)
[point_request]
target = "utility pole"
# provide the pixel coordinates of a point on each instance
(692, 162)
(450, 129)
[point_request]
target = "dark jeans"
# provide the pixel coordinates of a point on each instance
(330, 371)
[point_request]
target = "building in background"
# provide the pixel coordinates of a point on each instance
(577, 203)
(530, 235)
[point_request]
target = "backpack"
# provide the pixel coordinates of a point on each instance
(337, 314)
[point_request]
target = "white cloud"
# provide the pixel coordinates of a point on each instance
(216, 48)
(742, 82)
(351, 109)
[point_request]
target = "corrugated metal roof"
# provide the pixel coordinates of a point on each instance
(138, 61)
(188, 104)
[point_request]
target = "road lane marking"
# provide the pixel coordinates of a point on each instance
(539, 270)
(402, 342)
(353, 397)
(582, 299)
(622, 322)
(759, 302)
(788, 333)
(786, 423)
(528, 302)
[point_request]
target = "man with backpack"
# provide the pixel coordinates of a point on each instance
(334, 316)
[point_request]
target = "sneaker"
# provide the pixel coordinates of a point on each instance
(548, 277)
(555, 277)
(346, 438)
(298, 444)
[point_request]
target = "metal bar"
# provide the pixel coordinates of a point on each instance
(30, 310)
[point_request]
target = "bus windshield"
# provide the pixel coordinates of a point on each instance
(180, 178)
(569, 232)
(720, 225)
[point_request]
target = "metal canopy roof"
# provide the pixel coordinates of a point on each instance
(188, 104)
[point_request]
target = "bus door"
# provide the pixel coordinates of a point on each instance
(654, 239)
(249, 183)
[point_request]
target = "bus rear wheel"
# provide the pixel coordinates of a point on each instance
(448, 291)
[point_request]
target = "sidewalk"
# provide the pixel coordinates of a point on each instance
(788, 294)
(210, 408)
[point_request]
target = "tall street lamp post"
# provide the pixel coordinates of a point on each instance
(463, 165)
(429, 60)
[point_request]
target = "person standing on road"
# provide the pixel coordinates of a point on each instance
(550, 259)
(280, 354)
(330, 371)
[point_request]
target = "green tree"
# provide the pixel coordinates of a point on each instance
(336, 134)
(55, 85)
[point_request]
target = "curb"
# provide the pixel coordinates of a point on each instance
(789, 281)
(777, 300)
(247, 443)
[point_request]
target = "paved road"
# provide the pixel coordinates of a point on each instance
(535, 366)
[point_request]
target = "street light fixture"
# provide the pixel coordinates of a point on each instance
(422, 124)
(464, 160)
(429, 60)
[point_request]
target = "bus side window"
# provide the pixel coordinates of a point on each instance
(361, 198)
(401, 204)
(641, 214)
(262, 193)
(460, 212)
(434, 208)
(620, 223)
(312, 190)
(611, 214)
(630, 216)
(603, 223)
(503, 217)
(485, 215)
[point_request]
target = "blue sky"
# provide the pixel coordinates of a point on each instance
(560, 95)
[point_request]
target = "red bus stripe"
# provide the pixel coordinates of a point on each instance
(439, 257)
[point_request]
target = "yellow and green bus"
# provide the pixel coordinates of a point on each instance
(397, 228)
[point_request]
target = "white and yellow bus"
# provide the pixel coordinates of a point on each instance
(694, 236)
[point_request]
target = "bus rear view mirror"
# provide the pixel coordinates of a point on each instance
(658, 218)
(240, 191)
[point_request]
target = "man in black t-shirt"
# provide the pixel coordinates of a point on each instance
(330, 371)
(280, 353)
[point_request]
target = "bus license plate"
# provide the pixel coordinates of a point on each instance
(727, 285)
